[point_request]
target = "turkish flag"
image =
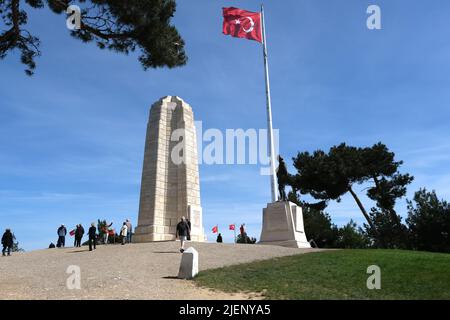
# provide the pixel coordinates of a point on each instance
(242, 24)
(232, 226)
(215, 229)
(72, 232)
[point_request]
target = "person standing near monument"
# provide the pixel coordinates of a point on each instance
(283, 178)
(7, 242)
(62, 231)
(129, 230)
(79, 232)
(92, 236)
(219, 238)
(182, 232)
(124, 232)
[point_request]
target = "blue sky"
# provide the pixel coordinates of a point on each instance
(72, 136)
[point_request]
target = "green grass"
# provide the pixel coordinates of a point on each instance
(338, 274)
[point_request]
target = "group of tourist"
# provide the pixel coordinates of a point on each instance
(183, 233)
(106, 230)
(78, 234)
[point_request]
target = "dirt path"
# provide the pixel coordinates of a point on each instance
(136, 271)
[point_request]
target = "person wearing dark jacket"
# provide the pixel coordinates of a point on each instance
(182, 232)
(7, 242)
(219, 238)
(92, 236)
(79, 232)
(62, 231)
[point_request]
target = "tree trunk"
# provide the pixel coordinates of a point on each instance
(363, 210)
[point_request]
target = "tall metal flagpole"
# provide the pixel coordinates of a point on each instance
(273, 176)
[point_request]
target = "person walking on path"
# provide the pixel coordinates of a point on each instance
(79, 232)
(129, 230)
(182, 232)
(62, 231)
(92, 236)
(123, 232)
(7, 242)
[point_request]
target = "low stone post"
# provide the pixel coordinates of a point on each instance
(189, 264)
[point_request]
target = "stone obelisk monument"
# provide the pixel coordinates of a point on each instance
(170, 185)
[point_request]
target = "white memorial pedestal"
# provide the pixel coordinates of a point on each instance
(283, 225)
(189, 264)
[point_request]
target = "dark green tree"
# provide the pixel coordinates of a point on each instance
(328, 176)
(391, 233)
(388, 186)
(429, 222)
(293, 196)
(352, 237)
(245, 239)
(122, 26)
(318, 227)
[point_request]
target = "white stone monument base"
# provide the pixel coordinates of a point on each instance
(189, 264)
(283, 225)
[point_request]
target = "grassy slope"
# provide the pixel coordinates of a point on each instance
(338, 275)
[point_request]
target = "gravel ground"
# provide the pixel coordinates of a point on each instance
(136, 271)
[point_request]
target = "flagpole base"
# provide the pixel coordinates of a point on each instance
(283, 225)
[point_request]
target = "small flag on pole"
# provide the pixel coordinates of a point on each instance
(242, 24)
(72, 233)
(232, 226)
(215, 229)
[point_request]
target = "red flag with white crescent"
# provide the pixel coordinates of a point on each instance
(242, 24)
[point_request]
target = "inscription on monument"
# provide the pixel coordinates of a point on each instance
(274, 223)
